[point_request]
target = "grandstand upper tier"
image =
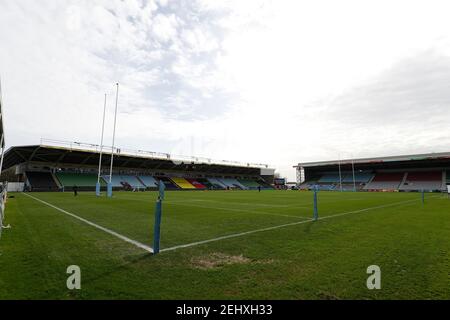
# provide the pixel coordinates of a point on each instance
(61, 166)
(428, 172)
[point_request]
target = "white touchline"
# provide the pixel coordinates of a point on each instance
(113, 233)
(236, 235)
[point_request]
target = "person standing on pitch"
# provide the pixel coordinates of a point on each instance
(259, 188)
(75, 191)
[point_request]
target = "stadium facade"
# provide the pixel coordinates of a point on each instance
(420, 172)
(58, 165)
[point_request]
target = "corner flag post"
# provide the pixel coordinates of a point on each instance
(158, 215)
(97, 187)
(113, 144)
(316, 210)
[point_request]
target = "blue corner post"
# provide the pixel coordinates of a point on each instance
(97, 189)
(158, 215)
(110, 190)
(423, 196)
(316, 210)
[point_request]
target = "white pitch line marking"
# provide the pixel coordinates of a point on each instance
(111, 232)
(282, 226)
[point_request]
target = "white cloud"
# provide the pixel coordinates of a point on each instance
(163, 3)
(165, 27)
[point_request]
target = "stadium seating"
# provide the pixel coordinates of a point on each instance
(417, 181)
(183, 183)
(82, 180)
(41, 181)
(331, 178)
(208, 185)
(249, 184)
(196, 184)
(170, 185)
(232, 183)
(121, 181)
(322, 187)
(216, 183)
(385, 181)
(133, 181)
(116, 181)
(359, 178)
(149, 181)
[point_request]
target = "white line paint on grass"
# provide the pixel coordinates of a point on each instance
(236, 235)
(111, 232)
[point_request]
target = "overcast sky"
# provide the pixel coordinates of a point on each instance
(275, 82)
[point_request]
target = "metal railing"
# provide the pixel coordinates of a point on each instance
(82, 146)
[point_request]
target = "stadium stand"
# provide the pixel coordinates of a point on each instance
(389, 173)
(133, 181)
(417, 181)
(359, 178)
(83, 181)
(249, 184)
(131, 168)
(232, 183)
(41, 181)
(183, 183)
(323, 187)
(148, 181)
(168, 183)
(208, 185)
(197, 184)
(217, 184)
(116, 181)
(386, 181)
(331, 178)
(331, 182)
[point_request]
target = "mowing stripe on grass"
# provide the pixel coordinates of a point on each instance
(188, 203)
(111, 232)
(236, 235)
(236, 210)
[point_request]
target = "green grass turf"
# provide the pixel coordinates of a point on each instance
(326, 259)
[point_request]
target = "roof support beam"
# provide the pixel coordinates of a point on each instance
(34, 153)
